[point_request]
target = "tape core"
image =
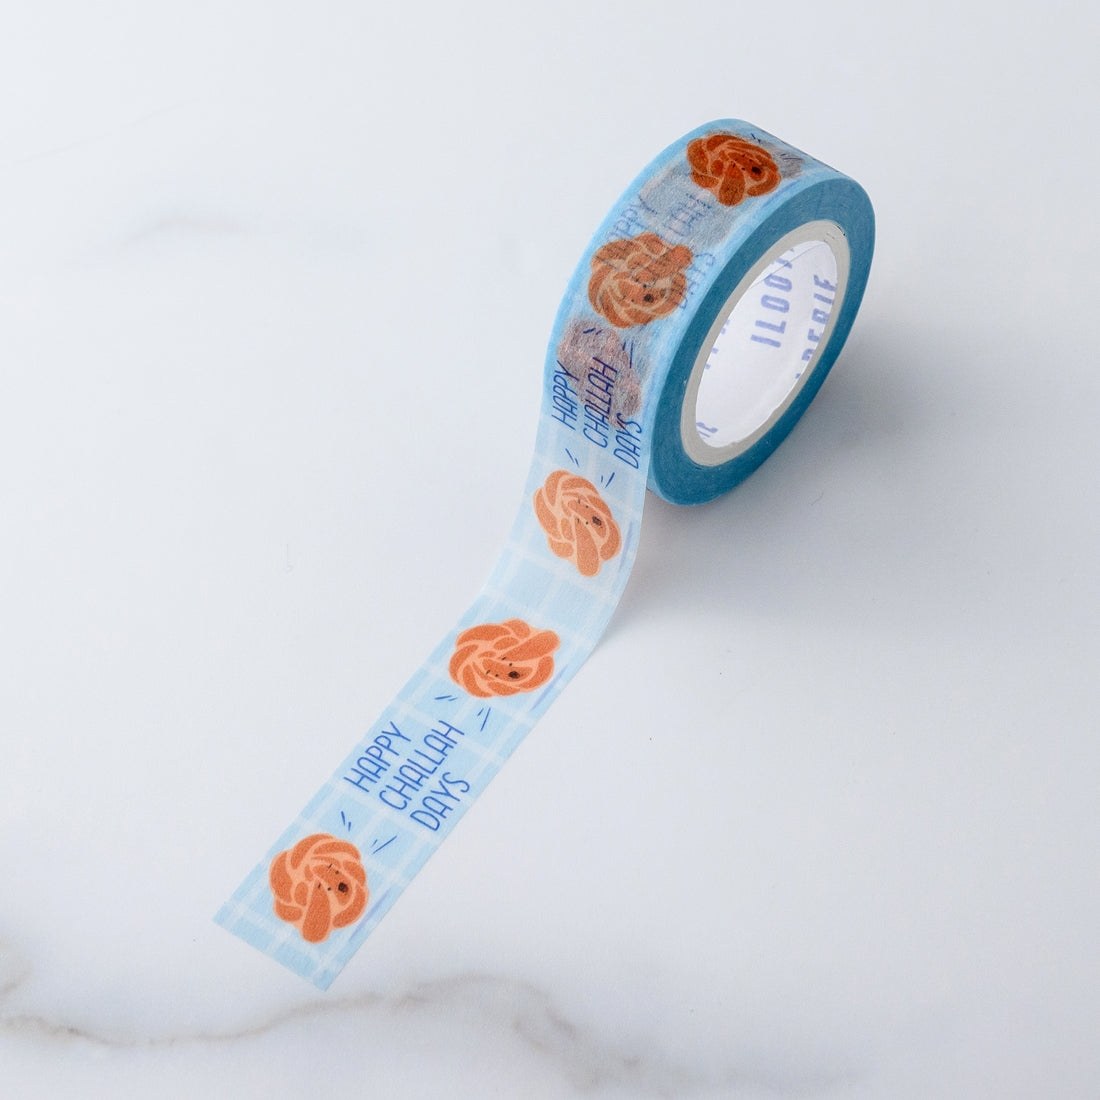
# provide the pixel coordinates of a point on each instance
(765, 343)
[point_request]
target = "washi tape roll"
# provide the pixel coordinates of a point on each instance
(699, 325)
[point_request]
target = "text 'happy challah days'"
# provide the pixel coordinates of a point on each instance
(410, 776)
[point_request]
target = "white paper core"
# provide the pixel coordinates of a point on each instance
(765, 342)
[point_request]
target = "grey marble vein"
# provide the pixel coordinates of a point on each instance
(497, 1006)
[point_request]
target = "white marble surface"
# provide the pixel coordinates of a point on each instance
(820, 816)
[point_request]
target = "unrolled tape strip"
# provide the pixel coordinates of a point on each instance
(699, 325)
